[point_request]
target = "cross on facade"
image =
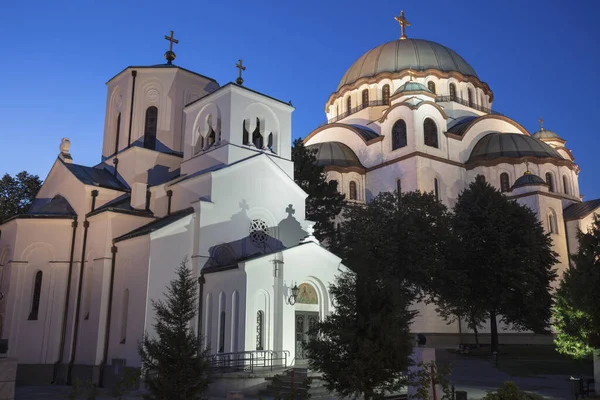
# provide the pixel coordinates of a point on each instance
(170, 55)
(403, 23)
(541, 121)
(240, 68)
(290, 210)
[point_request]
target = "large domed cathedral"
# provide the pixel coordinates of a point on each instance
(412, 114)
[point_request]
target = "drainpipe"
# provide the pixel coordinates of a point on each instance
(63, 330)
(169, 195)
(134, 74)
(86, 225)
(201, 282)
(113, 250)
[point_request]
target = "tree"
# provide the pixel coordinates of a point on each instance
(577, 310)
(390, 245)
(324, 202)
(17, 194)
(177, 366)
(500, 264)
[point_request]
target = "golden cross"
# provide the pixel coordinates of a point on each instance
(171, 40)
(240, 68)
(411, 73)
(541, 121)
(403, 23)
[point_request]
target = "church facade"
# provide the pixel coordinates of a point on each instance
(190, 170)
(412, 114)
(195, 171)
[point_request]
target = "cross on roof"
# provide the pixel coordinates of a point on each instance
(290, 210)
(403, 23)
(170, 55)
(240, 68)
(541, 121)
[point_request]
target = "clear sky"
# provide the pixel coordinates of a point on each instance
(540, 57)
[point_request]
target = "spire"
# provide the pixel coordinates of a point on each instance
(403, 23)
(170, 55)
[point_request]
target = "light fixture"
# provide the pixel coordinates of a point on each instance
(294, 295)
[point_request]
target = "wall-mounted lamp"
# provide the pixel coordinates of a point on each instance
(293, 296)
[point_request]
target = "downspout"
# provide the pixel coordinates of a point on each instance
(63, 330)
(169, 195)
(568, 247)
(86, 225)
(113, 250)
(134, 74)
(201, 282)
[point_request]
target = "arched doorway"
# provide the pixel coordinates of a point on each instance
(306, 318)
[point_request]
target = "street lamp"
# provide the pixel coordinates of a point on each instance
(293, 296)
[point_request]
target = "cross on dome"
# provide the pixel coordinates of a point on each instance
(170, 55)
(541, 121)
(403, 23)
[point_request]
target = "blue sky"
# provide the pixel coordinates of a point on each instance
(538, 56)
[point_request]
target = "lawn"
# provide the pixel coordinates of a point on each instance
(532, 360)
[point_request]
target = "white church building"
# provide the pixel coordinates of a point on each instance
(198, 171)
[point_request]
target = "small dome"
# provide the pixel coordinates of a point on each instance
(546, 134)
(529, 179)
(335, 153)
(398, 55)
(412, 87)
(510, 145)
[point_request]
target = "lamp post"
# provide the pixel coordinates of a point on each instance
(293, 296)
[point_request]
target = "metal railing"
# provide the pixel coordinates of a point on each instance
(249, 360)
(471, 104)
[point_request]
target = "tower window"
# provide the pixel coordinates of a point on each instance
(222, 332)
(348, 104)
(398, 186)
(566, 184)
(150, 128)
(431, 86)
(504, 182)
(270, 142)
(550, 181)
(470, 97)
(365, 98)
(552, 223)
(353, 193)
(436, 189)
(35, 300)
(118, 131)
(452, 92)
(257, 138)
(246, 134)
(430, 133)
(399, 134)
(385, 94)
(260, 321)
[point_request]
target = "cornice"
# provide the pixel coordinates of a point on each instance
(346, 126)
(412, 107)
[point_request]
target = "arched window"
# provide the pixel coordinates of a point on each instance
(270, 142)
(124, 316)
(222, 332)
(210, 139)
(150, 128)
(118, 132)
(35, 300)
(348, 104)
(452, 92)
(552, 223)
(430, 133)
(365, 98)
(199, 143)
(566, 184)
(335, 182)
(470, 97)
(353, 194)
(257, 138)
(399, 186)
(504, 182)
(436, 189)
(260, 326)
(246, 135)
(385, 94)
(431, 86)
(550, 181)
(398, 134)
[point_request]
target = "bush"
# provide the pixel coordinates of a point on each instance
(510, 391)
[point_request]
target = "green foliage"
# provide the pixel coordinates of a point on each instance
(500, 264)
(390, 246)
(17, 194)
(177, 367)
(427, 373)
(324, 201)
(577, 309)
(88, 392)
(510, 391)
(125, 383)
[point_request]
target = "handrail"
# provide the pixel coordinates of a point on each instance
(248, 360)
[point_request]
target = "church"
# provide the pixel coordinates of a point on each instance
(195, 171)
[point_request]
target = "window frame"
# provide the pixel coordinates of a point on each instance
(504, 184)
(429, 135)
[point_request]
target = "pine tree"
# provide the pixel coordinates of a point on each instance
(177, 366)
(324, 202)
(17, 194)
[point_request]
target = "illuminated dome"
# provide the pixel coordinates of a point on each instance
(335, 154)
(398, 55)
(511, 145)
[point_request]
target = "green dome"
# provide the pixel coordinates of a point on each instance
(527, 180)
(510, 145)
(412, 87)
(335, 154)
(546, 134)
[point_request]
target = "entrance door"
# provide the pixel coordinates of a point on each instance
(305, 321)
